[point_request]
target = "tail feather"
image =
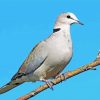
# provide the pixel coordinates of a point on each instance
(9, 86)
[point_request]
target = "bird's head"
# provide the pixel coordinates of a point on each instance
(68, 18)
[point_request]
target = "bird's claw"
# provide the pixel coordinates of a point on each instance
(61, 76)
(49, 83)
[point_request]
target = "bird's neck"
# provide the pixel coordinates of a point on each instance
(65, 28)
(65, 32)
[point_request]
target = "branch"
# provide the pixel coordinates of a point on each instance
(64, 76)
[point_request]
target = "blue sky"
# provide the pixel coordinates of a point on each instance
(24, 23)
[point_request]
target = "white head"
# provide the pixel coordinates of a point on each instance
(67, 19)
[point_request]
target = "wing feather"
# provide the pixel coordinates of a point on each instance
(36, 57)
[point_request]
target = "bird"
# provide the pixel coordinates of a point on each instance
(49, 57)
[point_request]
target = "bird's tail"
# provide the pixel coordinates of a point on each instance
(9, 86)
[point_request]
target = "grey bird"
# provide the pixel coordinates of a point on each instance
(49, 57)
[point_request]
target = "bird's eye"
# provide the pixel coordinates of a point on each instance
(68, 16)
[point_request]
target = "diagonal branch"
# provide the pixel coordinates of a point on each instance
(65, 76)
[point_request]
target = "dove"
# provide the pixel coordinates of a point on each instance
(49, 57)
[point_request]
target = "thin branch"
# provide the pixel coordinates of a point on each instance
(65, 76)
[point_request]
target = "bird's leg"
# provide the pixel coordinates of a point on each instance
(49, 83)
(61, 76)
(68, 72)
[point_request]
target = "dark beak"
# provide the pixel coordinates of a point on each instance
(80, 23)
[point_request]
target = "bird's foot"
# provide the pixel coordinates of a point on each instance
(49, 83)
(67, 74)
(61, 76)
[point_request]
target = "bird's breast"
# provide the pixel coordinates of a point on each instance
(60, 51)
(59, 55)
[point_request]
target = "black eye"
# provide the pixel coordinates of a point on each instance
(68, 16)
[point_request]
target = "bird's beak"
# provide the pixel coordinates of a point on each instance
(79, 22)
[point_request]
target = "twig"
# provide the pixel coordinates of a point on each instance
(65, 76)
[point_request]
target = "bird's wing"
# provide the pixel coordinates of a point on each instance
(35, 59)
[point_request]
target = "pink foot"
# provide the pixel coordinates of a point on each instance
(61, 76)
(49, 83)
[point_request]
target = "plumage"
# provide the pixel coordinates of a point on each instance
(49, 57)
(37, 56)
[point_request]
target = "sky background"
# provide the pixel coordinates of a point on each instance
(24, 23)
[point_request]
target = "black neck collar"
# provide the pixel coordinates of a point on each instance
(56, 30)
